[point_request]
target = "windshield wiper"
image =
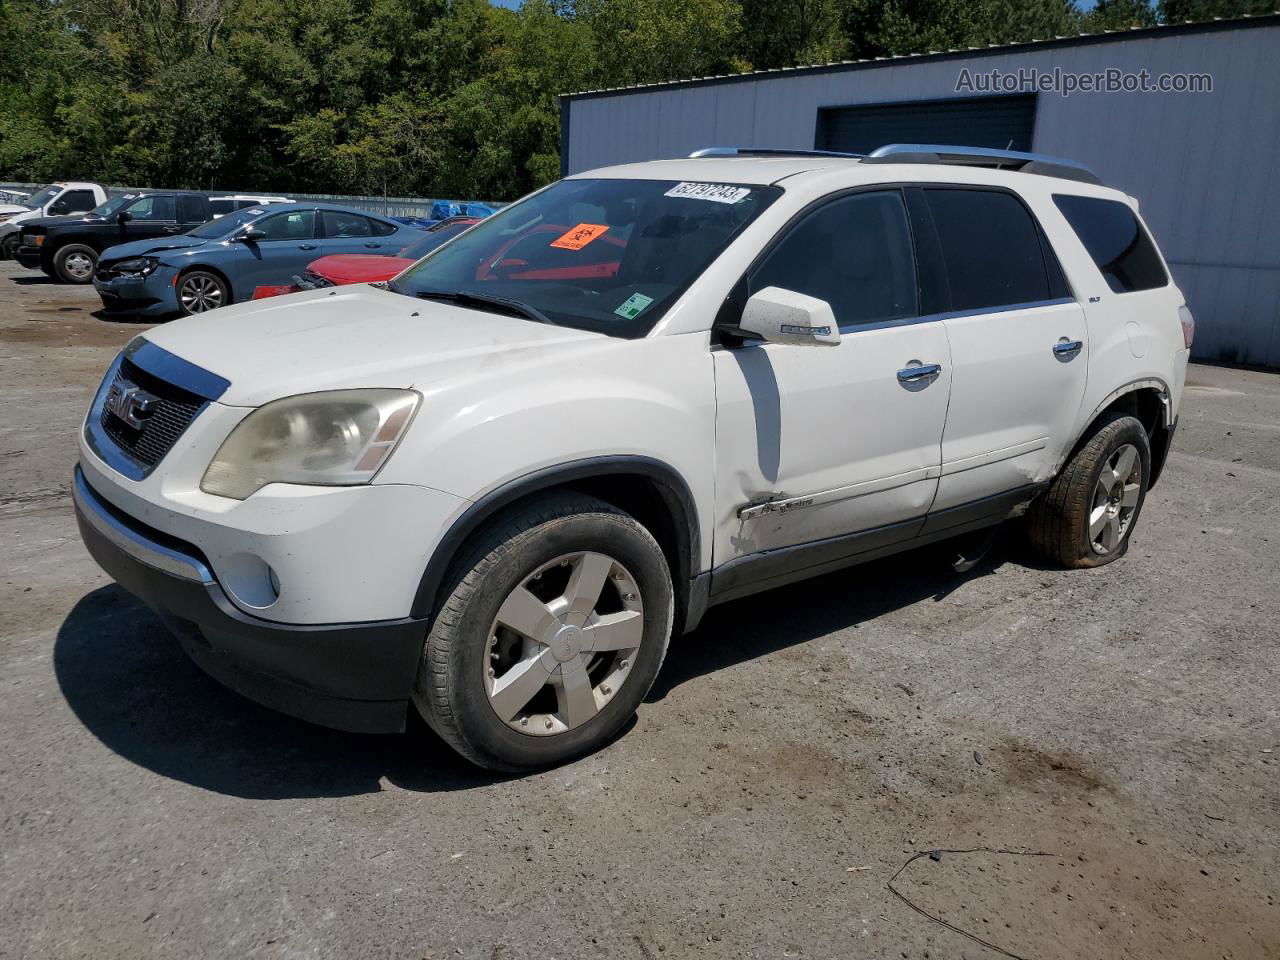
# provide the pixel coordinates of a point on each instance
(465, 297)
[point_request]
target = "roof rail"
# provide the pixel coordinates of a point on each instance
(1038, 163)
(767, 152)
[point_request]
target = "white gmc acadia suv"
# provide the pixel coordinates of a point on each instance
(496, 485)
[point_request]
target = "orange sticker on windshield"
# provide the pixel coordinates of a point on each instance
(579, 236)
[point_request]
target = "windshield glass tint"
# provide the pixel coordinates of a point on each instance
(224, 226)
(42, 196)
(603, 255)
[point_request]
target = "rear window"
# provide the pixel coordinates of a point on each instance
(221, 207)
(991, 247)
(1116, 242)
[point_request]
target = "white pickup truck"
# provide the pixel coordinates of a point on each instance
(54, 200)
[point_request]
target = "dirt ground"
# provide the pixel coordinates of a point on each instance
(1108, 740)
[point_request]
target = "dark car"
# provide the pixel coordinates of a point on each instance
(67, 248)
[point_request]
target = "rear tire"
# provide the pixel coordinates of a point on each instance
(75, 263)
(555, 628)
(1087, 515)
(9, 247)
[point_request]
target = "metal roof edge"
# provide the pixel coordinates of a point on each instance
(1245, 21)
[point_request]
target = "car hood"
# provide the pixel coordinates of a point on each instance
(358, 336)
(9, 208)
(46, 222)
(344, 268)
(137, 248)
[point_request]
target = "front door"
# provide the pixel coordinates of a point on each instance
(831, 450)
(151, 217)
(283, 245)
(1019, 351)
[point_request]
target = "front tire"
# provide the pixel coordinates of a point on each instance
(75, 263)
(200, 291)
(9, 247)
(1087, 515)
(555, 629)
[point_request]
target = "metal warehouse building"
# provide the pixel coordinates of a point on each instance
(1203, 165)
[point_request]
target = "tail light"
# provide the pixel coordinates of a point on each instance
(1188, 326)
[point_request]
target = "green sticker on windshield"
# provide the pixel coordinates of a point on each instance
(632, 306)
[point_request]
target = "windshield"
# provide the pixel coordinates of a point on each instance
(225, 226)
(110, 208)
(603, 255)
(42, 196)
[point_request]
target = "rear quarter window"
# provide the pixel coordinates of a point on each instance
(1117, 243)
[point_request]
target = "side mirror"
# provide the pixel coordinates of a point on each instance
(249, 235)
(57, 208)
(776, 315)
(123, 217)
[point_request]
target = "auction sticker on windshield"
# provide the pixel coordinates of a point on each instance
(579, 236)
(715, 192)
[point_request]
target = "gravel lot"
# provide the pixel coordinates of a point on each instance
(798, 749)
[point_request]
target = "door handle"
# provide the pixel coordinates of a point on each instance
(1066, 349)
(916, 371)
(373, 245)
(306, 246)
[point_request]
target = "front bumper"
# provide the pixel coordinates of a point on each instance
(352, 676)
(151, 296)
(30, 256)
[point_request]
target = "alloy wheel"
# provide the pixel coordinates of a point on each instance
(199, 294)
(563, 643)
(1115, 497)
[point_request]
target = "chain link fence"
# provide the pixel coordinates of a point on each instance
(387, 206)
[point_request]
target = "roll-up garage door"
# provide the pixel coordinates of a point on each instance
(999, 122)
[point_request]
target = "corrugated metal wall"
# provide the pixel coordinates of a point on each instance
(1203, 166)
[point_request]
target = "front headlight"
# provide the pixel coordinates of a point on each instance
(38, 239)
(336, 438)
(138, 266)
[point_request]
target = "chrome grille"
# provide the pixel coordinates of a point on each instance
(173, 412)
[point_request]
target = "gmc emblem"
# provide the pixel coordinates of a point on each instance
(130, 403)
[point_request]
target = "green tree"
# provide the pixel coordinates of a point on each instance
(784, 33)
(1119, 15)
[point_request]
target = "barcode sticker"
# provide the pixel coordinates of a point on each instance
(715, 192)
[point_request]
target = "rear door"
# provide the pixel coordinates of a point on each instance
(1019, 352)
(345, 232)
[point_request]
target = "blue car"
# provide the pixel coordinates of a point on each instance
(225, 260)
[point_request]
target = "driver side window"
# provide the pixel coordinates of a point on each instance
(855, 253)
(152, 208)
(293, 225)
